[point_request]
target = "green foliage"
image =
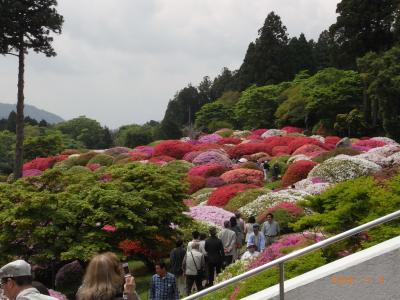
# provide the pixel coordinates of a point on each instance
(363, 26)
(43, 146)
(134, 135)
(179, 166)
(335, 152)
(269, 277)
(285, 219)
(257, 106)
(59, 216)
(216, 125)
(381, 76)
(211, 113)
(244, 198)
(87, 131)
(7, 144)
(353, 203)
(102, 159)
(273, 184)
(351, 124)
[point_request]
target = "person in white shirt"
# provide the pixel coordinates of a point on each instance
(250, 253)
(16, 282)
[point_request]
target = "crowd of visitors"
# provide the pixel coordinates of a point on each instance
(196, 266)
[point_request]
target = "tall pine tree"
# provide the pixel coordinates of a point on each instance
(267, 60)
(363, 26)
(26, 25)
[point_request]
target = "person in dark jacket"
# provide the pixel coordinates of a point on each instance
(176, 259)
(215, 253)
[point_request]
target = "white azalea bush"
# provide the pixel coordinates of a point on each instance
(385, 151)
(298, 157)
(273, 132)
(384, 139)
(343, 167)
(375, 158)
(271, 199)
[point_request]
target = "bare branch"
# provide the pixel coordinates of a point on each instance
(11, 53)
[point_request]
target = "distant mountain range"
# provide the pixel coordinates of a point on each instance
(31, 111)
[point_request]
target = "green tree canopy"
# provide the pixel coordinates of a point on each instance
(59, 216)
(257, 106)
(85, 130)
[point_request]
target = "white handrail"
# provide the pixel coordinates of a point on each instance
(281, 260)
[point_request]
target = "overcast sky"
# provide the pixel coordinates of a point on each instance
(120, 61)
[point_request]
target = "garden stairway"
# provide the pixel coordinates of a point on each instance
(373, 274)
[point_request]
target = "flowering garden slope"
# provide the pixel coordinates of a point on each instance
(125, 200)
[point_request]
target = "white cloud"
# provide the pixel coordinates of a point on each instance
(120, 61)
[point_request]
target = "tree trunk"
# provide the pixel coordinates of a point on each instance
(375, 110)
(366, 104)
(20, 116)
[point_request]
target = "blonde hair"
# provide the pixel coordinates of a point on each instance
(103, 279)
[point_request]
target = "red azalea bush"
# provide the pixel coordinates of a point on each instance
(309, 150)
(161, 159)
(212, 182)
(292, 208)
(70, 152)
(297, 171)
(205, 147)
(369, 143)
(280, 150)
(300, 141)
(133, 247)
(292, 129)
(43, 163)
(93, 167)
(207, 170)
(229, 140)
(173, 148)
(221, 196)
(248, 176)
(247, 149)
(259, 131)
(254, 137)
(332, 140)
(136, 156)
(195, 183)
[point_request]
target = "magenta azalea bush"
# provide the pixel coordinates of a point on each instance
(210, 138)
(31, 173)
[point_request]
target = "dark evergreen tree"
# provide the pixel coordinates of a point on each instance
(26, 25)
(267, 60)
(12, 121)
(222, 83)
(182, 109)
(323, 51)
(301, 55)
(362, 26)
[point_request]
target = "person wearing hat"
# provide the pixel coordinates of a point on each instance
(257, 238)
(250, 253)
(16, 282)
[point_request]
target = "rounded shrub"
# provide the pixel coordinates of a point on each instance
(332, 153)
(221, 196)
(297, 171)
(102, 160)
(245, 197)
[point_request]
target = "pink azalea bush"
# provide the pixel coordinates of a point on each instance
(248, 176)
(211, 214)
(210, 138)
(369, 143)
(213, 156)
(31, 173)
(212, 182)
